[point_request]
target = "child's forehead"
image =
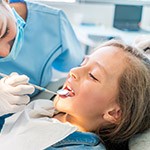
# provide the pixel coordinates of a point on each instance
(107, 50)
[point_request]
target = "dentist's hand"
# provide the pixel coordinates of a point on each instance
(13, 93)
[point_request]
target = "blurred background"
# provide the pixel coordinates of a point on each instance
(95, 21)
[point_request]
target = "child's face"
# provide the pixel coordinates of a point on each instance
(95, 86)
(7, 30)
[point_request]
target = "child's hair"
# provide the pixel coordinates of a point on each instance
(133, 97)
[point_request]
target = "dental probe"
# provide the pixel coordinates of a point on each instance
(36, 86)
(43, 89)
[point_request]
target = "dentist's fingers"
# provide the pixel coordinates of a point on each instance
(15, 79)
(20, 100)
(22, 89)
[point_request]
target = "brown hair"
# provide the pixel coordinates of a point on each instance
(133, 96)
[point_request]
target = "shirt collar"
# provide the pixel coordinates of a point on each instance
(85, 138)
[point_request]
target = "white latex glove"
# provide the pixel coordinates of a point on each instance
(143, 43)
(13, 93)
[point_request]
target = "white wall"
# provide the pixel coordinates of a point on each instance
(92, 13)
(146, 16)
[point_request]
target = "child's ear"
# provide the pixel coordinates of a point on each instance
(113, 114)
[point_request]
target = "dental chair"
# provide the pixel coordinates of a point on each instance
(140, 141)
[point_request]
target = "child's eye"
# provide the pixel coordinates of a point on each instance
(93, 77)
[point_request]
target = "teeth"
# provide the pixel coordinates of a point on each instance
(72, 91)
(69, 88)
(66, 91)
(63, 92)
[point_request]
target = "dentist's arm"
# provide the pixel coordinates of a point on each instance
(13, 93)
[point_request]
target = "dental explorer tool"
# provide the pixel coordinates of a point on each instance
(36, 86)
(59, 92)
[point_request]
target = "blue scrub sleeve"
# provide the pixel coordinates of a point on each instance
(15, 1)
(72, 52)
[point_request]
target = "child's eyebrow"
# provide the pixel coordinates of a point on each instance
(101, 67)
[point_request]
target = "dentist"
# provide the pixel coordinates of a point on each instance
(34, 38)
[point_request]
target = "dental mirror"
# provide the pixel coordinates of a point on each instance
(62, 92)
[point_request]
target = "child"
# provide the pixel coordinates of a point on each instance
(108, 98)
(111, 93)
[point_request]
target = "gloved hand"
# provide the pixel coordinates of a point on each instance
(13, 93)
(142, 42)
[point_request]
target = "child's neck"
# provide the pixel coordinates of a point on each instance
(60, 116)
(63, 117)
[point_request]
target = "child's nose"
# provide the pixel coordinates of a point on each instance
(73, 75)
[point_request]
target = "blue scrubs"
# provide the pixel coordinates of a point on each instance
(49, 41)
(15, 1)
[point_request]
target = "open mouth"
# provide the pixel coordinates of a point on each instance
(66, 92)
